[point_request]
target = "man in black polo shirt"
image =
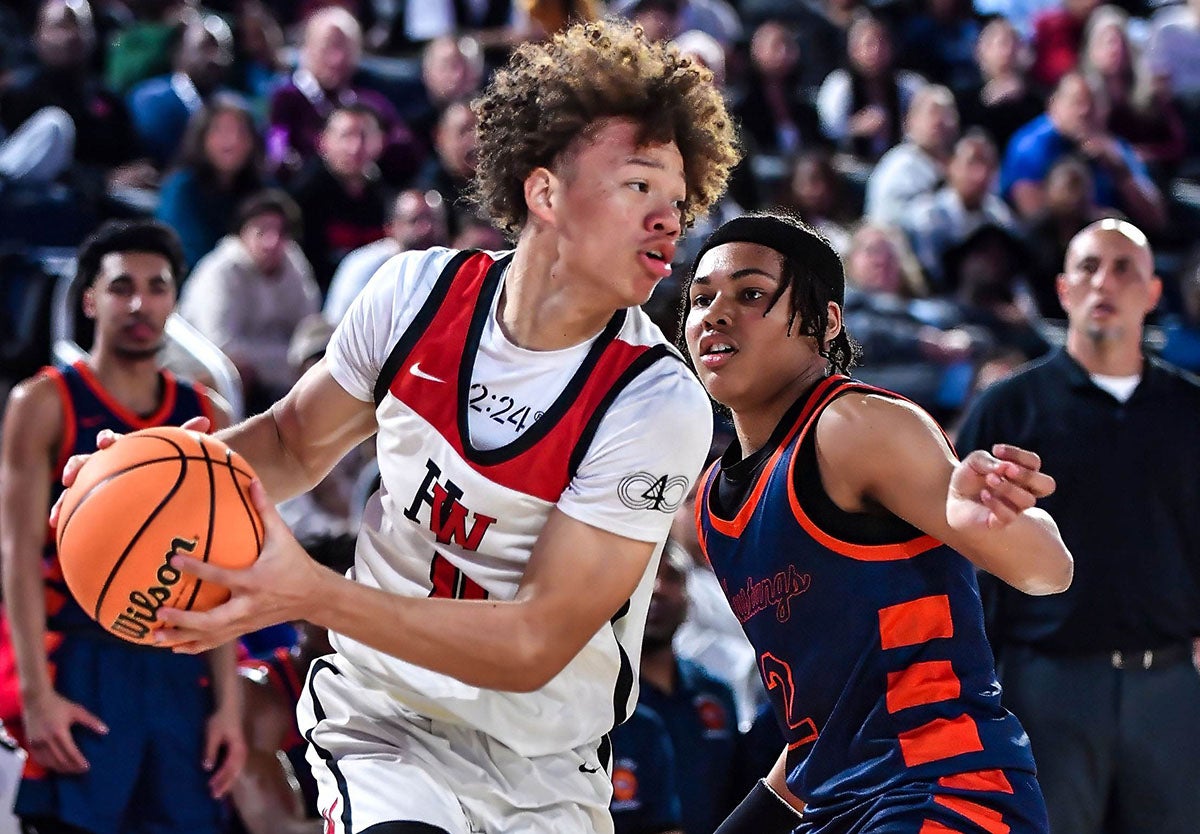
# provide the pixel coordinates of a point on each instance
(1104, 676)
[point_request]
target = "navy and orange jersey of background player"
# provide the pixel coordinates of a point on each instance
(280, 673)
(87, 410)
(872, 651)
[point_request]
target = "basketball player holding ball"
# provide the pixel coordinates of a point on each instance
(121, 738)
(535, 434)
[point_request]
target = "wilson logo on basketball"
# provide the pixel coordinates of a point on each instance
(135, 621)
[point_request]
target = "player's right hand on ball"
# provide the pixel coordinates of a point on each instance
(48, 721)
(105, 439)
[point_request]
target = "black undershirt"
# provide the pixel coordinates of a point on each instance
(737, 477)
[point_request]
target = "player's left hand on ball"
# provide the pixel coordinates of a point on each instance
(280, 586)
(991, 490)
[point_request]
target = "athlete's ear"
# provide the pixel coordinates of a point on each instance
(540, 188)
(834, 319)
(89, 302)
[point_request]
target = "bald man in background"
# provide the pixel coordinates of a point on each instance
(1104, 676)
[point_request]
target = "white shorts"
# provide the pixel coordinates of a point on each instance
(376, 761)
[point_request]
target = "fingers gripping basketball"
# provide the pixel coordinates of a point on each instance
(135, 503)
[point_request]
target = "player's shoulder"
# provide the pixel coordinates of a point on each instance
(1179, 380)
(36, 403)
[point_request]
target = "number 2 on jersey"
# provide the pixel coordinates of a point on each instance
(777, 674)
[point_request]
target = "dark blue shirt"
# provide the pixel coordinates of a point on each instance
(645, 794)
(1127, 504)
(702, 721)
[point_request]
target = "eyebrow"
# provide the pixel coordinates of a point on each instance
(738, 274)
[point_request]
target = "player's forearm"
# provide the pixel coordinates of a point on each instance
(226, 684)
(260, 442)
(491, 644)
(1029, 554)
(25, 606)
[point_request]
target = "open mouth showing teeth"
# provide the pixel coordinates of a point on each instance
(656, 255)
(718, 349)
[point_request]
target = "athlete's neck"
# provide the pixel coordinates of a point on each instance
(754, 423)
(134, 383)
(1108, 357)
(543, 309)
(659, 668)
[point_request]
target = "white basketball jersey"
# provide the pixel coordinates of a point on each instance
(616, 448)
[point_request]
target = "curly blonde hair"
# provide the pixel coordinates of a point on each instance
(550, 93)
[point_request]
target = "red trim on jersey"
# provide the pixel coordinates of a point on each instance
(737, 525)
(989, 819)
(67, 445)
(135, 421)
(863, 552)
(914, 622)
(977, 780)
(435, 391)
(926, 682)
(939, 739)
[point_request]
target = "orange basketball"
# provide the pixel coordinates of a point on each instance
(152, 493)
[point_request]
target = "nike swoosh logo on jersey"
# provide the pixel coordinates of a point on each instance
(415, 370)
(585, 769)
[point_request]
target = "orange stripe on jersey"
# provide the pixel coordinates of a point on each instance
(989, 819)
(940, 739)
(927, 682)
(135, 421)
(915, 622)
(863, 552)
(977, 780)
(933, 827)
(735, 527)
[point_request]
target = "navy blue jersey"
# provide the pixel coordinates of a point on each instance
(87, 410)
(645, 797)
(873, 653)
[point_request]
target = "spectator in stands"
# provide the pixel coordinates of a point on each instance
(497, 25)
(1057, 37)
(141, 47)
(248, 295)
(1069, 207)
(820, 29)
(775, 113)
(987, 273)
(939, 43)
(340, 195)
(862, 107)
(645, 796)
(1003, 101)
(938, 221)
(258, 60)
(816, 192)
(1074, 123)
(418, 221)
(1149, 122)
(162, 106)
(220, 165)
(450, 169)
(329, 56)
(917, 166)
(451, 70)
(666, 19)
(1173, 47)
(106, 148)
(697, 707)
(909, 343)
